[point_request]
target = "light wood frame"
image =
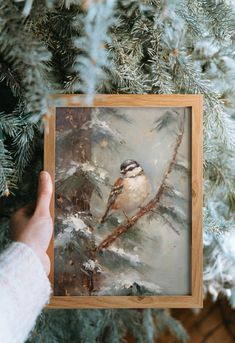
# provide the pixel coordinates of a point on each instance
(193, 101)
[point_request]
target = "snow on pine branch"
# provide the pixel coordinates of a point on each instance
(166, 120)
(111, 112)
(79, 173)
(162, 79)
(97, 20)
(217, 122)
(215, 225)
(181, 166)
(219, 254)
(70, 228)
(176, 214)
(186, 72)
(131, 286)
(117, 258)
(6, 170)
(91, 266)
(102, 130)
(220, 268)
(28, 56)
(173, 193)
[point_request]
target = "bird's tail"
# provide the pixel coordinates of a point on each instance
(104, 216)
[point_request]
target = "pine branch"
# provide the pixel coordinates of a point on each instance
(89, 63)
(79, 174)
(127, 55)
(55, 27)
(166, 119)
(171, 192)
(9, 124)
(194, 20)
(103, 132)
(110, 112)
(217, 122)
(23, 144)
(22, 134)
(167, 221)
(120, 259)
(164, 320)
(7, 180)
(172, 212)
(219, 19)
(28, 56)
(28, 4)
(181, 167)
(162, 80)
(131, 288)
(152, 204)
(11, 77)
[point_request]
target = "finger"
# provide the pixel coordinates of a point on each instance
(44, 195)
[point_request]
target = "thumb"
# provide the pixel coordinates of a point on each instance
(44, 194)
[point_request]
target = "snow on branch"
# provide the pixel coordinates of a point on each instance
(78, 174)
(128, 287)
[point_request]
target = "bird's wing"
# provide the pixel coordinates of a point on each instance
(115, 191)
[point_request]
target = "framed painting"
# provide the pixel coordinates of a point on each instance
(127, 204)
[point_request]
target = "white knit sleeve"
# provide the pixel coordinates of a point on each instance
(24, 290)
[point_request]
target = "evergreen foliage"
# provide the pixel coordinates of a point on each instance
(138, 46)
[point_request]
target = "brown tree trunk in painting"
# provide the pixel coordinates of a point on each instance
(74, 280)
(80, 149)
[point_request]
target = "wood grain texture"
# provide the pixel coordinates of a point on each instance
(128, 100)
(123, 302)
(195, 102)
(214, 324)
(197, 176)
(49, 165)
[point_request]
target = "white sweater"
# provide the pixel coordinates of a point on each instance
(24, 290)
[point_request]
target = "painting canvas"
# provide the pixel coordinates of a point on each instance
(122, 201)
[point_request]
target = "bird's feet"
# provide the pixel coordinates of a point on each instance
(128, 219)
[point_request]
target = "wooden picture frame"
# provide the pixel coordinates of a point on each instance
(195, 103)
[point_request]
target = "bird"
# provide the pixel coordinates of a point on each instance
(129, 191)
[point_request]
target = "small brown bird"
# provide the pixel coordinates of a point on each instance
(129, 191)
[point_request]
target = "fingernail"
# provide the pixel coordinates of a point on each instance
(43, 176)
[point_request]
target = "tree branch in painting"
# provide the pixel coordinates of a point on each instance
(152, 204)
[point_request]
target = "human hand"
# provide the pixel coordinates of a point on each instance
(33, 225)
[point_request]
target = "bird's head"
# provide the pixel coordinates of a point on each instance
(130, 168)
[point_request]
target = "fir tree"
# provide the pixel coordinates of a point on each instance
(139, 46)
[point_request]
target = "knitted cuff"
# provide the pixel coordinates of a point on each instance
(24, 290)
